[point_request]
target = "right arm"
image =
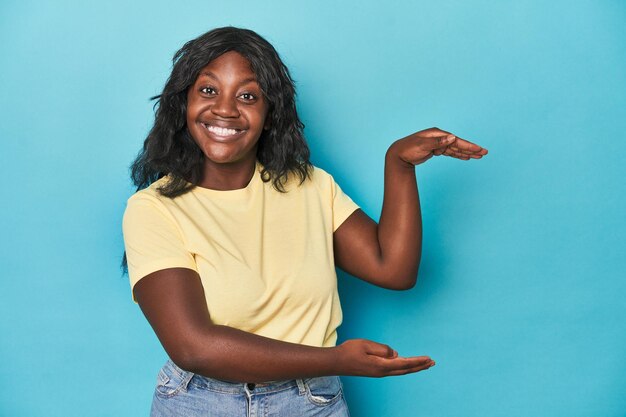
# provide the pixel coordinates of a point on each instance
(173, 301)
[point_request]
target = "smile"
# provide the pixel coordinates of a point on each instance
(222, 131)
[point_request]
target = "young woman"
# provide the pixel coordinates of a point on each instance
(233, 237)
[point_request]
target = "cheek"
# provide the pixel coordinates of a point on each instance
(190, 112)
(193, 107)
(266, 120)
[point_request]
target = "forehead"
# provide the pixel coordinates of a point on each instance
(228, 67)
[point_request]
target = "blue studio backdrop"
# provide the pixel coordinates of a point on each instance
(520, 298)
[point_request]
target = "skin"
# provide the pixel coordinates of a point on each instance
(226, 95)
(385, 254)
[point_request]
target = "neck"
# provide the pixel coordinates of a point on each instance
(228, 176)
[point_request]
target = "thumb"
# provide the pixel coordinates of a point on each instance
(440, 141)
(378, 349)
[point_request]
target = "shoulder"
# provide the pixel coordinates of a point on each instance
(321, 177)
(318, 181)
(319, 173)
(317, 178)
(324, 181)
(148, 200)
(150, 193)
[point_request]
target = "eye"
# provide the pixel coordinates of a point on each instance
(248, 96)
(208, 91)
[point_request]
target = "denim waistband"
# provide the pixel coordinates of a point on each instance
(217, 385)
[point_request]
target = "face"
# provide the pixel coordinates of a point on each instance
(226, 110)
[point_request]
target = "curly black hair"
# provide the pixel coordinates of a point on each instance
(169, 147)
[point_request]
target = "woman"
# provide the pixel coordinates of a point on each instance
(233, 237)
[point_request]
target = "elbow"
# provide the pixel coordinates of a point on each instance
(189, 356)
(403, 285)
(209, 352)
(400, 276)
(409, 284)
(184, 357)
(401, 282)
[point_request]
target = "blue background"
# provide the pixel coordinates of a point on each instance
(521, 295)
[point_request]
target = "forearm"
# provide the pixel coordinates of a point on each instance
(174, 304)
(400, 226)
(388, 254)
(230, 354)
(234, 355)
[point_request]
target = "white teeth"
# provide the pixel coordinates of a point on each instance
(221, 131)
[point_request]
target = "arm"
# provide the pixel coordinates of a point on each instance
(388, 254)
(173, 302)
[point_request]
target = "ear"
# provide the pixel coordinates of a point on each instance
(268, 123)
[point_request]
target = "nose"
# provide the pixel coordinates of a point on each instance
(225, 106)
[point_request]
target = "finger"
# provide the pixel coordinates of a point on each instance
(480, 152)
(412, 360)
(400, 363)
(466, 145)
(463, 151)
(410, 364)
(451, 151)
(454, 154)
(412, 370)
(464, 156)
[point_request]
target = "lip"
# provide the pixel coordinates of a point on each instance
(222, 137)
(223, 124)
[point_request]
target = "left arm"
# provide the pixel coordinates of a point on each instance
(388, 254)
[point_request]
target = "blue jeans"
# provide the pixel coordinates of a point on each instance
(182, 393)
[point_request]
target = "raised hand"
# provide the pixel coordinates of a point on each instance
(362, 357)
(423, 145)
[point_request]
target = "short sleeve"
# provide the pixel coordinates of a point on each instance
(152, 239)
(343, 206)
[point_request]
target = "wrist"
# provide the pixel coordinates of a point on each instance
(336, 360)
(394, 156)
(394, 159)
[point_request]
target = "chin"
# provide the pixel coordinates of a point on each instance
(224, 158)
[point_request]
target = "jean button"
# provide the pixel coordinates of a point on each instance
(250, 386)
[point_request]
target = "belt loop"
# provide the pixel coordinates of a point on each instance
(301, 386)
(187, 379)
(187, 376)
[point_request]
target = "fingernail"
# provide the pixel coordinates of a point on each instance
(450, 138)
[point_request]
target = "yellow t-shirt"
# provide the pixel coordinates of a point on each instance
(265, 258)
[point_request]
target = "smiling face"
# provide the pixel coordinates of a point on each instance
(226, 110)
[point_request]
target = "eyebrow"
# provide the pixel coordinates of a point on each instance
(245, 81)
